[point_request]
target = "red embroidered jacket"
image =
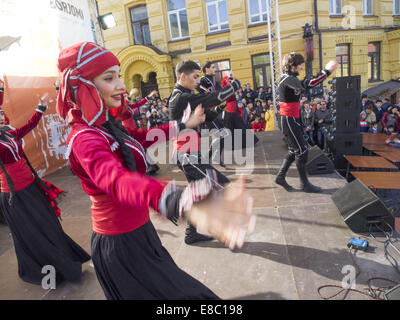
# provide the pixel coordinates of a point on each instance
(120, 197)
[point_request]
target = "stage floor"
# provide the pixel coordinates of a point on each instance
(300, 241)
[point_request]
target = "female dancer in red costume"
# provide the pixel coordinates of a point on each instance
(128, 257)
(28, 205)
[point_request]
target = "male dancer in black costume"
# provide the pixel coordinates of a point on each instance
(209, 85)
(290, 88)
(181, 103)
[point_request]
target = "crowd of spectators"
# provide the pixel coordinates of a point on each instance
(255, 107)
(376, 116)
(379, 116)
(152, 114)
(316, 116)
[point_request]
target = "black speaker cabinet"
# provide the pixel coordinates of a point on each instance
(348, 144)
(345, 144)
(318, 163)
(361, 209)
(348, 114)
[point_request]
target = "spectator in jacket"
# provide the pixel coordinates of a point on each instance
(378, 110)
(370, 116)
(249, 97)
(258, 107)
(268, 94)
(164, 115)
(252, 116)
(390, 118)
(143, 122)
(154, 119)
(264, 106)
(390, 130)
(322, 120)
(386, 104)
(248, 90)
(270, 119)
(363, 122)
(374, 128)
(308, 119)
(262, 121)
(261, 94)
(257, 126)
(242, 110)
(365, 102)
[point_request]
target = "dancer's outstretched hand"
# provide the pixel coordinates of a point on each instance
(332, 66)
(228, 216)
(44, 100)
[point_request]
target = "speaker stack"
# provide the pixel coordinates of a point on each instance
(347, 135)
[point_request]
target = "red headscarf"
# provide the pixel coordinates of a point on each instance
(78, 65)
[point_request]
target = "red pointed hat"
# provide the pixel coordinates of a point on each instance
(78, 65)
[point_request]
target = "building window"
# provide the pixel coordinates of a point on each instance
(258, 10)
(396, 7)
(335, 7)
(223, 68)
(217, 13)
(343, 59)
(368, 7)
(374, 61)
(177, 17)
(261, 70)
(140, 25)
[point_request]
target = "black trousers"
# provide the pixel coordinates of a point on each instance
(196, 167)
(297, 145)
(217, 142)
(233, 122)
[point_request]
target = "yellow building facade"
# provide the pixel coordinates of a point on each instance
(152, 36)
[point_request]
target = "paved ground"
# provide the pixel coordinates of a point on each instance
(299, 243)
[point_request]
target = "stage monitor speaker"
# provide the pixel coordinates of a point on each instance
(318, 163)
(393, 294)
(361, 209)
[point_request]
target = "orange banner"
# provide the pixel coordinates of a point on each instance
(32, 33)
(45, 146)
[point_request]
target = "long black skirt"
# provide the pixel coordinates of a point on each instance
(235, 124)
(135, 266)
(39, 239)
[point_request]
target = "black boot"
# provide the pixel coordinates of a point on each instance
(306, 185)
(191, 235)
(280, 178)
